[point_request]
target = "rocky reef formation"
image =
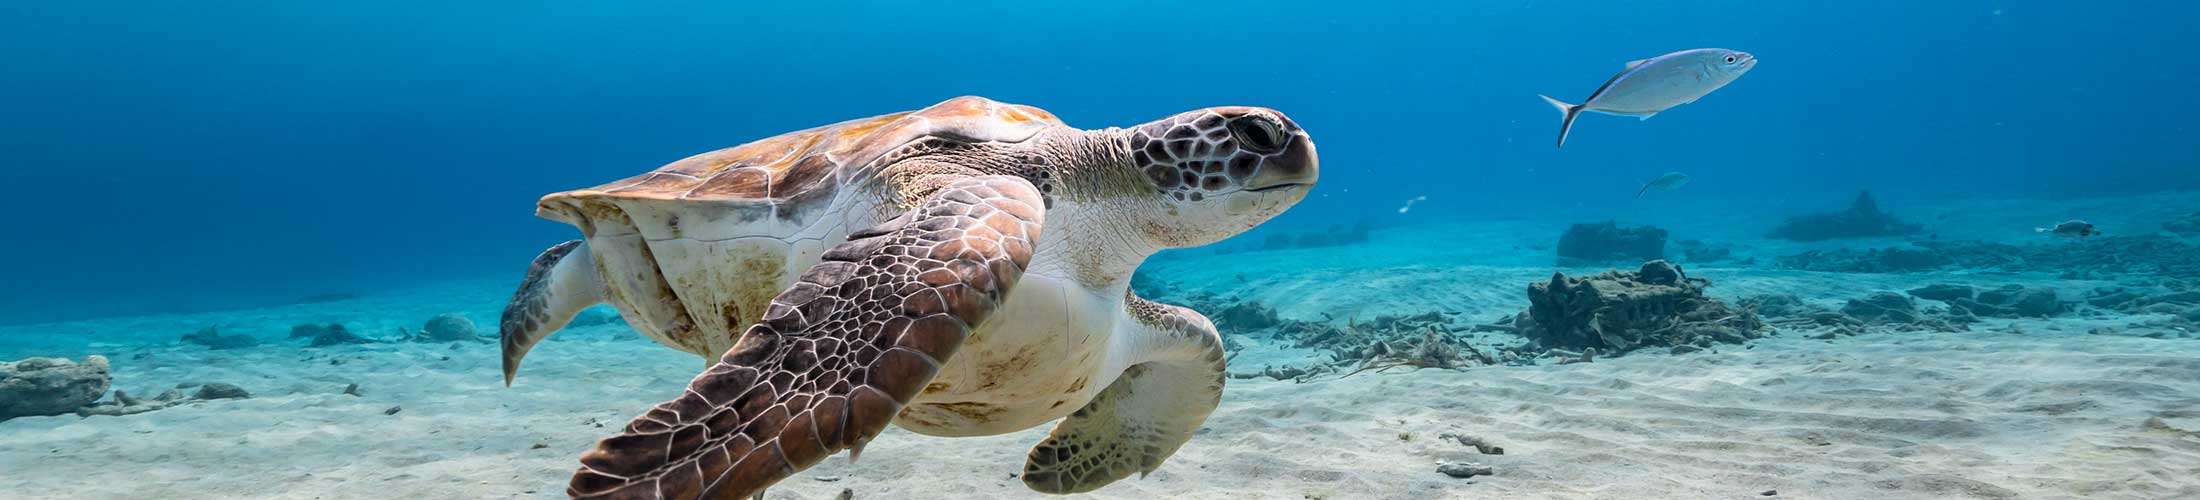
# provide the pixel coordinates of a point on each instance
(2013, 301)
(1863, 219)
(1899, 312)
(1698, 252)
(1880, 311)
(1879, 260)
(326, 335)
(2173, 298)
(51, 386)
(1619, 311)
(1607, 242)
(2189, 225)
(2150, 255)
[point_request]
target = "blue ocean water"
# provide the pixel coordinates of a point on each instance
(183, 156)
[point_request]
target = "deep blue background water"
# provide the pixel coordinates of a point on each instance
(182, 155)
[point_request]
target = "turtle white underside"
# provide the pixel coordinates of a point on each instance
(1045, 353)
(720, 270)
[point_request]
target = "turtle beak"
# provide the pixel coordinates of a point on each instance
(1297, 165)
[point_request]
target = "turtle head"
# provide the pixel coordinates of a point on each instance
(1220, 171)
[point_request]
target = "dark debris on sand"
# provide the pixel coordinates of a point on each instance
(331, 334)
(212, 338)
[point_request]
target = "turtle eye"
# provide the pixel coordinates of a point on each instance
(1258, 134)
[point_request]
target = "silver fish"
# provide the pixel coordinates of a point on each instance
(2074, 229)
(1667, 182)
(1659, 83)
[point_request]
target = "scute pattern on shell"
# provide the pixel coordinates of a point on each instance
(789, 165)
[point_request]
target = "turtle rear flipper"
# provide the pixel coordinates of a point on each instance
(836, 355)
(560, 283)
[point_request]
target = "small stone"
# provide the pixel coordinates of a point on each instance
(537, 446)
(1465, 470)
(1767, 493)
(124, 399)
(393, 410)
(218, 390)
(846, 494)
(826, 479)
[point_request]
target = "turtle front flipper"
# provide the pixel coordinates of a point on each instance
(559, 284)
(1142, 418)
(836, 355)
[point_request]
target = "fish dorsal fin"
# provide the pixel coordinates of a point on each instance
(1638, 62)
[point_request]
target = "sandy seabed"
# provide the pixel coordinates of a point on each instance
(2012, 409)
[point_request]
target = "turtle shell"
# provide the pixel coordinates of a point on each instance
(797, 166)
(693, 251)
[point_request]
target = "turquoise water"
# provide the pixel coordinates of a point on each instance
(252, 154)
(252, 167)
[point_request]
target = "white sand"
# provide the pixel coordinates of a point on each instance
(2050, 412)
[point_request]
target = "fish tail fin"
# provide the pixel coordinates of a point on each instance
(1569, 111)
(1639, 192)
(2039, 229)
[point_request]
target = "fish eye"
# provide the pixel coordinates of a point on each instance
(1730, 59)
(1258, 134)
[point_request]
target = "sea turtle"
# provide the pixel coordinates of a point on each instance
(959, 270)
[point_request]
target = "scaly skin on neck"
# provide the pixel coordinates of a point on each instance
(1094, 188)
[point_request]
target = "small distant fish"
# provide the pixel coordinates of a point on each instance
(1659, 83)
(1409, 203)
(1668, 182)
(2073, 229)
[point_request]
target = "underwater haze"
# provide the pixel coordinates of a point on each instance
(245, 154)
(1944, 249)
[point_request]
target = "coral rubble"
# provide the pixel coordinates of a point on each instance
(2013, 301)
(1882, 260)
(2129, 255)
(1619, 311)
